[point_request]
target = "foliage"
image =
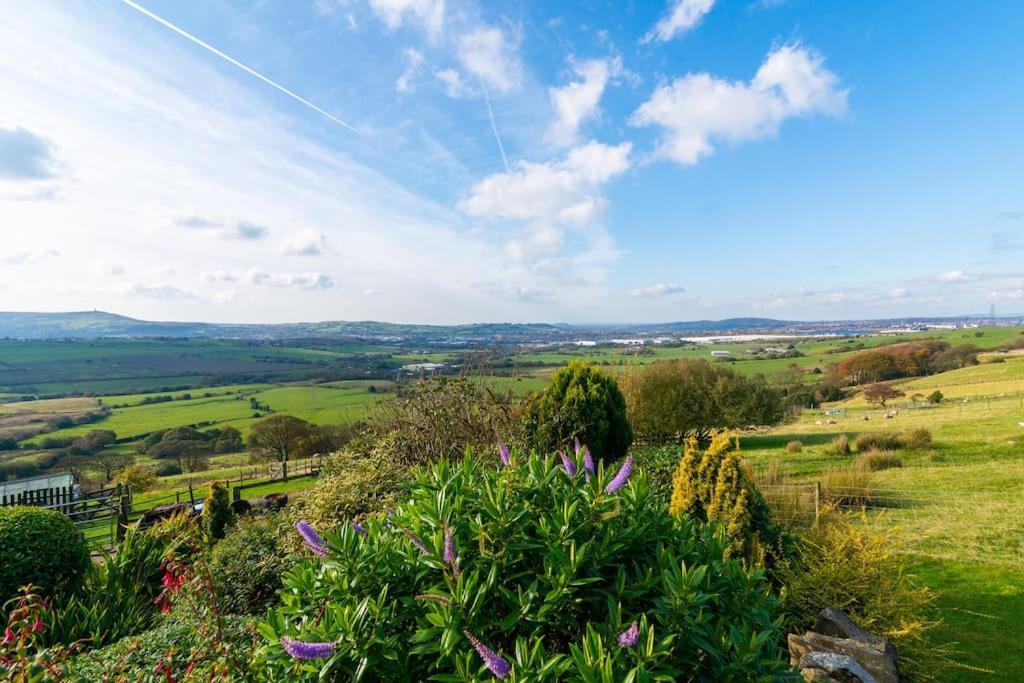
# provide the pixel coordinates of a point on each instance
(246, 567)
(351, 487)
(658, 465)
(278, 438)
(794, 446)
(136, 478)
(876, 460)
(525, 568)
(918, 438)
(117, 596)
(935, 398)
(216, 511)
(583, 403)
(881, 392)
(710, 485)
(437, 418)
(23, 659)
(846, 486)
(909, 359)
(187, 447)
(881, 441)
(841, 564)
(670, 401)
(39, 547)
(839, 445)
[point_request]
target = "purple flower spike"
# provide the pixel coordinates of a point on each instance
(576, 445)
(629, 637)
(359, 528)
(568, 464)
(503, 452)
(311, 538)
(498, 666)
(588, 461)
(300, 650)
(417, 542)
(450, 556)
(621, 477)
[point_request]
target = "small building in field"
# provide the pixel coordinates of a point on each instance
(44, 490)
(721, 354)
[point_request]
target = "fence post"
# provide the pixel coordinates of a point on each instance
(817, 499)
(123, 503)
(191, 495)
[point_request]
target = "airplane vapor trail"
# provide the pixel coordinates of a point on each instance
(243, 67)
(494, 127)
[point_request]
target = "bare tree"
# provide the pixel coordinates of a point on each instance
(278, 438)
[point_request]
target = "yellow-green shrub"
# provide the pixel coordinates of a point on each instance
(875, 460)
(918, 439)
(839, 445)
(710, 485)
(846, 485)
(794, 446)
(841, 564)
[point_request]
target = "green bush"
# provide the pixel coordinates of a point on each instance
(846, 486)
(216, 511)
(581, 402)
(246, 567)
(935, 398)
(545, 569)
(42, 548)
(878, 441)
(182, 652)
(794, 447)
(841, 564)
(710, 485)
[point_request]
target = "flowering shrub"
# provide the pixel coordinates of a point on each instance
(22, 657)
(542, 569)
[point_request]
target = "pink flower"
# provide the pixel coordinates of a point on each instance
(629, 637)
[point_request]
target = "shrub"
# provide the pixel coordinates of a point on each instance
(846, 486)
(216, 511)
(168, 469)
(935, 398)
(436, 419)
(117, 596)
(840, 445)
(670, 401)
(875, 461)
(880, 441)
(39, 547)
(709, 485)
(658, 466)
(918, 439)
(794, 446)
(246, 567)
(841, 564)
(172, 651)
(544, 569)
(136, 478)
(581, 402)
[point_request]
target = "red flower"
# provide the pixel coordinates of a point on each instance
(8, 636)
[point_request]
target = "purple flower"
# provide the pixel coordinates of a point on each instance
(450, 556)
(311, 538)
(576, 445)
(416, 542)
(588, 461)
(498, 666)
(568, 464)
(629, 637)
(621, 477)
(300, 650)
(359, 528)
(503, 452)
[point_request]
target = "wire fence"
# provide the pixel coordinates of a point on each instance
(981, 527)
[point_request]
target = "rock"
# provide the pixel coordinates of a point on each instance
(834, 667)
(276, 501)
(835, 633)
(241, 507)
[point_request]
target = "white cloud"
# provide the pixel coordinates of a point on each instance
(578, 101)
(219, 276)
(954, 276)
(555, 192)
(226, 296)
(240, 230)
(659, 290)
(683, 16)
(699, 110)
(488, 54)
(258, 276)
(305, 243)
(160, 291)
(415, 60)
(25, 155)
(452, 80)
(27, 257)
(393, 12)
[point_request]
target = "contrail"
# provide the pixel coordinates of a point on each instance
(494, 126)
(243, 67)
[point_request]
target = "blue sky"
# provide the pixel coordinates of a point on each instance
(527, 161)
